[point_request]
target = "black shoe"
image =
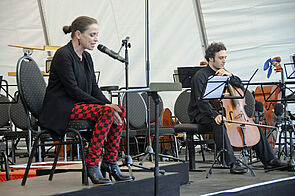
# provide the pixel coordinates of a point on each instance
(236, 168)
(95, 175)
(114, 171)
(274, 163)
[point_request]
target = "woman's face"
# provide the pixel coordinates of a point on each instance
(89, 38)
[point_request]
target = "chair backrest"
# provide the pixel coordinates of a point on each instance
(136, 110)
(18, 116)
(152, 107)
(181, 106)
(250, 104)
(31, 85)
(4, 118)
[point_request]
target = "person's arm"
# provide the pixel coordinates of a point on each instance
(64, 69)
(236, 81)
(96, 91)
(199, 84)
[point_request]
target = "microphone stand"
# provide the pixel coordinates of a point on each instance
(286, 127)
(127, 160)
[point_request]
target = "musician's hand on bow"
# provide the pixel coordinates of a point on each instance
(223, 72)
(219, 119)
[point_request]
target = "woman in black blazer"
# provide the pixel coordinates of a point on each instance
(73, 93)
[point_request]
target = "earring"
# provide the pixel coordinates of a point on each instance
(79, 42)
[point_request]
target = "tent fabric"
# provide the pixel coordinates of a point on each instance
(252, 30)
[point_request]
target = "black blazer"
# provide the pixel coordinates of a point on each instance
(66, 87)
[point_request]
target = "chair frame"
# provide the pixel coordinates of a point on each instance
(190, 141)
(41, 132)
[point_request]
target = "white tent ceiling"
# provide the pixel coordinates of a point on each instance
(252, 30)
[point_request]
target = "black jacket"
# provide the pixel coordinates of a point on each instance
(71, 81)
(200, 110)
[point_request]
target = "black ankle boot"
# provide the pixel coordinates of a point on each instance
(95, 175)
(114, 171)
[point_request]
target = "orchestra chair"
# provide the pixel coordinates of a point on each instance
(136, 115)
(138, 120)
(31, 86)
(4, 156)
(164, 131)
(18, 118)
(5, 125)
(191, 130)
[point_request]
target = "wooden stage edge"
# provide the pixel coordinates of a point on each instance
(69, 183)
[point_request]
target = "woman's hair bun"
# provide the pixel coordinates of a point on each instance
(67, 29)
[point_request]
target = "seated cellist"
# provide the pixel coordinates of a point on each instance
(205, 113)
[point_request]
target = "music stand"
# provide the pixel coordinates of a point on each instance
(287, 124)
(292, 65)
(215, 90)
(1, 82)
(184, 75)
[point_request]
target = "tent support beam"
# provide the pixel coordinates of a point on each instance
(201, 24)
(44, 25)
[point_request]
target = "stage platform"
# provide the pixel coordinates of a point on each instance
(176, 181)
(221, 182)
(69, 183)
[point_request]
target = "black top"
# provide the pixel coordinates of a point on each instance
(71, 81)
(199, 109)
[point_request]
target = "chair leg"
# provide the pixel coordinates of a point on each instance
(6, 166)
(137, 145)
(78, 152)
(55, 162)
(191, 151)
(176, 146)
(84, 169)
(30, 159)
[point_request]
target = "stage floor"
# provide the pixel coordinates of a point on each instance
(219, 180)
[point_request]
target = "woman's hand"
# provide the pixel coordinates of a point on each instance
(117, 118)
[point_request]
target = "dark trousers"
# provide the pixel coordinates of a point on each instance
(104, 129)
(262, 148)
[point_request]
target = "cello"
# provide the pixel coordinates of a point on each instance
(241, 130)
(270, 92)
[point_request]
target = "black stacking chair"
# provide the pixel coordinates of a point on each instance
(190, 129)
(18, 118)
(138, 121)
(32, 87)
(137, 116)
(4, 117)
(5, 126)
(4, 156)
(163, 131)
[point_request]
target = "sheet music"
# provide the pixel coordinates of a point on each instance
(215, 87)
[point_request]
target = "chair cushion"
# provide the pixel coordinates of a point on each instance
(15, 134)
(162, 131)
(80, 124)
(190, 128)
(132, 133)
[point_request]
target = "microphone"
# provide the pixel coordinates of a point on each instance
(279, 110)
(111, 53)
(258, 106)
(126, 39)
(259, 110)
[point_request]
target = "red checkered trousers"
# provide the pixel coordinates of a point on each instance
(105, 129)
